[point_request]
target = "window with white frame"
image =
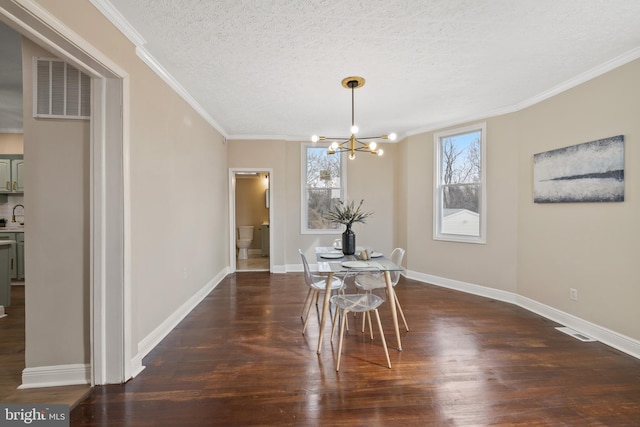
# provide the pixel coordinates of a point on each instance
(460, 187)
(323, 184)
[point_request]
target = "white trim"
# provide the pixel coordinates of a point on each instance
(2, 313)
(55, 376)
(611, 338)
(149, 342)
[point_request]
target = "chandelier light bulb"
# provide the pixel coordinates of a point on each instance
(354, 129)
(380, 152)
(392, 136)
(372, 146)
(315, 138)
(352, 156)
(334, 146)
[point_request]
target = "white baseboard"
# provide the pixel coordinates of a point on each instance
(55, 376)
(611, 338)
(279, 269)
(153, 339)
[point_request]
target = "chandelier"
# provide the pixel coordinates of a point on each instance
(352, 144)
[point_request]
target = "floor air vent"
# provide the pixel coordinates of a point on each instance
(577, 335)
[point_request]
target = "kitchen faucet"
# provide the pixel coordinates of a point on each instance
(13, 217)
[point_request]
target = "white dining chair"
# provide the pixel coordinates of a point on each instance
(367, 281)
(357, 303)
(316, 284)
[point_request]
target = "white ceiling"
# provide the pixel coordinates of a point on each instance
(272, 69)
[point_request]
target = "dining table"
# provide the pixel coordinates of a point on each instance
(332, 261)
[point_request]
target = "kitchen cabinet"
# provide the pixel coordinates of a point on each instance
(20, 256)
(11, 174)
(16, 253)
(5, 280)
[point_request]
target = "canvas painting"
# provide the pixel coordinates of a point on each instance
(589, 172)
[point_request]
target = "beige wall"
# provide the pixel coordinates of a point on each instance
(11, 143)
(492, 264)
(539, 251)
(179, 206)
(178, 186)
(369, 177)
(592, 247)
(56, 201)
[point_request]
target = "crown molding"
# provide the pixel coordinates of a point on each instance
(112, 14)
(591, 74)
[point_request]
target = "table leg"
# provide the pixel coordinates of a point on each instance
(325, 309)
(392, 303)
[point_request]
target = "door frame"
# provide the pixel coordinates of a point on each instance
(232, 214)
(110, 306)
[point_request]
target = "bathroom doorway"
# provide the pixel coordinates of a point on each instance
(250, 220)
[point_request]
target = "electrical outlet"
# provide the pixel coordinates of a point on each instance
(573, 294)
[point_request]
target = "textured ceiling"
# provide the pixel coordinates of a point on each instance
(272, 69)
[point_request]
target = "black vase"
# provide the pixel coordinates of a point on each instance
(348, 242)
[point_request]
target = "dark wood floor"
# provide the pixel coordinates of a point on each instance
(239, 359)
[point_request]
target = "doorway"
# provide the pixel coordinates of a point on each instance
(108, 317)
(250, 219)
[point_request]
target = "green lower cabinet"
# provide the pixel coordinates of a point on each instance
(16, 267)
(5, 281)
(20, 256)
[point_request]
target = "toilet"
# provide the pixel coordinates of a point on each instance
(245, 236)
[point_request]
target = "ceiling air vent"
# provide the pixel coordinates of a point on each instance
(62, 91)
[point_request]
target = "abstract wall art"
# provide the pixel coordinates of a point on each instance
(589, 172)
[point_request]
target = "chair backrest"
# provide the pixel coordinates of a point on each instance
(396, 257)
(307, 271)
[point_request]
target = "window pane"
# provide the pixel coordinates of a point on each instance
(460, 209)
(461, 158)
(323, 186)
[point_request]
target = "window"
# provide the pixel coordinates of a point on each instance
(460, 191)
(323, 184)
(62, 91)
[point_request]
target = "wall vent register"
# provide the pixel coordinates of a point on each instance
(62, 91)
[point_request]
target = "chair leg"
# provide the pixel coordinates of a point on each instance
(306, 301)
(400, 311)
(333, 323)
(342, 322)
(368, 313)
(306, 320)
(384, 342)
